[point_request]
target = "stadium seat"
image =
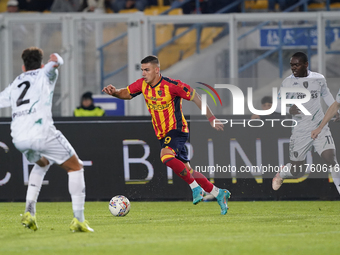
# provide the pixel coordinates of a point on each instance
(317, 6)
(160, 3)
(156, 10)
(323, 7)
(256, 5)
(163, 33)
(185, 46)
(179, 49)
(170, 55)
(128, 11)
(108, 10)
(334, 6)
(3, 5)
(208, 34)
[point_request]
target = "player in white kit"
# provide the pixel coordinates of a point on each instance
(300, 140)
(34, 134)
(330, 113)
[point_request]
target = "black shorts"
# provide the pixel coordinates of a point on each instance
(175, 140)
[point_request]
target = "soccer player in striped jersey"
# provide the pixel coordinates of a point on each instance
(163, 98)
(300, 140)
(34, 134)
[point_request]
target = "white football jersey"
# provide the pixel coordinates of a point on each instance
(30, 97)
(317, 86)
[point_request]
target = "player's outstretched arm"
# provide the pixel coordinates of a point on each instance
(119, 93)
(57, 59)
(53, 63)
(331, 111)
(215, 123)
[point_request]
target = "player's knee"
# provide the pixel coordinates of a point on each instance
(81, 163)
(167, 150)
(166, 158)
(72, 164)
(42, 162)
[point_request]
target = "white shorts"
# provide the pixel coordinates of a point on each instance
(299, 144)
(56, 149)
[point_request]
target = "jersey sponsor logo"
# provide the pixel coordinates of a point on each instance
(153, 98)
(314, 94)
(157, 107)
(300, 95)
(23, 113)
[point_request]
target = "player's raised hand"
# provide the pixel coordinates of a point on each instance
(54, 58)
(217, 124)
(109, 89)
(315, 133)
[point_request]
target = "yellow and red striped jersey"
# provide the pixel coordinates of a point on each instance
(164, 102)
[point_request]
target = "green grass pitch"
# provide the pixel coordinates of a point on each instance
(297, 227)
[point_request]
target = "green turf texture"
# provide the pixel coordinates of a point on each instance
(310, 227)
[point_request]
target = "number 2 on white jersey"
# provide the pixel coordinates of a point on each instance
(20, 100)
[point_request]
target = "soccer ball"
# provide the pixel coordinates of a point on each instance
(119, 205)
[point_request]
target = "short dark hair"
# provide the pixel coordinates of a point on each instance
(267, 99)
(32, 58)
(300, 55)
(150, 59)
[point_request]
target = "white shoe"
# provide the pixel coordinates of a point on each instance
(277, 181)
(208, 197)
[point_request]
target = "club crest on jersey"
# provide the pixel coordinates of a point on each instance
(160, 92)
(296, 154)
(305, 84)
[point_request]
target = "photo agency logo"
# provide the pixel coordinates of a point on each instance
(287, 96)
(204, 97)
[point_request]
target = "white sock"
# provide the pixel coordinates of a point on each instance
(193, 185)
(285, 171)
(76, 187)
(215, 191)
(335, 177)
(34, 185)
